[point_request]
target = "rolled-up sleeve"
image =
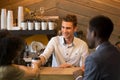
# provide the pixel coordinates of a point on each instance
(48, 50)
(85, 53)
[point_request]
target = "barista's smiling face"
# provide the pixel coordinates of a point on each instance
(68, 29)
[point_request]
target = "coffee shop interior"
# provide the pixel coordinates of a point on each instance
(46, 16)
(84, 9)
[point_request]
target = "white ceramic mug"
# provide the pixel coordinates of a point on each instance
(35, 60)
(44, 25)
(37, 25)
(30, 26)
(24, 25)
(51, 25)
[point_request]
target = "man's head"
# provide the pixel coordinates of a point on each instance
(70, 18)
(99, 30)
(69, 25)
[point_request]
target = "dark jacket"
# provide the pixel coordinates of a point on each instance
(103, 64)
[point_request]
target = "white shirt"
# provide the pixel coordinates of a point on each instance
(74, 53)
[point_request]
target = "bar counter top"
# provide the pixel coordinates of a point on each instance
(55, 73)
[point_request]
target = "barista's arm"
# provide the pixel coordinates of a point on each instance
(42, 60)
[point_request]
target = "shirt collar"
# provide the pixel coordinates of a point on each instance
(64, 43)
(97, 47)
(103, 44)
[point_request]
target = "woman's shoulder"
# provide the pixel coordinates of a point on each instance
(11, 71)
(8, 68)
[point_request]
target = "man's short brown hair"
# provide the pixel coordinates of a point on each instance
(70, 18)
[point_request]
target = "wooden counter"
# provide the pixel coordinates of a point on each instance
(50, 73)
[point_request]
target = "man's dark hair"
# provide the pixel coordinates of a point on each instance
(102, 25)
(70, 18)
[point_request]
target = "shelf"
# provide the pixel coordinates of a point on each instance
(33, 32)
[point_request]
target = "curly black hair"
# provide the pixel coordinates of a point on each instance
(10, 47)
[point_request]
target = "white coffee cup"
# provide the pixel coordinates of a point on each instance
(35, 60)
(30, 26)
(24, 25)
(9, 20)
(37, 25)
(44, 25)
(3, 19)
(51, 25)
(20, 15)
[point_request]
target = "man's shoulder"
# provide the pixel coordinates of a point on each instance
(56, 37)
(94, 56)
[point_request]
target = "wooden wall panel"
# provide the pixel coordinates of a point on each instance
(112, 3)
(12, 4)
(94, 4)
(84, 10)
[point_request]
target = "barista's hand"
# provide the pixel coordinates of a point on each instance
(65, 65)
(36, 63)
